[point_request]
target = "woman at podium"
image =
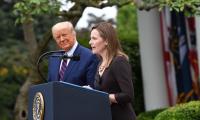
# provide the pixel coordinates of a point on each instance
(114, 71)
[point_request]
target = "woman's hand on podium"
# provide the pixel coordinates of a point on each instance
(112, 98)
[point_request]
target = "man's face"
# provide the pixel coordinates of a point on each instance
(64, 37)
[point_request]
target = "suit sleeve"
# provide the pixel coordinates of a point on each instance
(91, 70)
(121, 70)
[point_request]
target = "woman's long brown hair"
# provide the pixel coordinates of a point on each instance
(108, 33)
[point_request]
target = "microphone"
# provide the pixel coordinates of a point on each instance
(74, 57)
(65, 56)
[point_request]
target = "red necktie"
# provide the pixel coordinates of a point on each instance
(62, 69)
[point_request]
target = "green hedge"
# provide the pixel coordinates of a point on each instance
(187, 111)
(149, 115)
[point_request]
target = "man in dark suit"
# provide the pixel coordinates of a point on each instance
(80, 72)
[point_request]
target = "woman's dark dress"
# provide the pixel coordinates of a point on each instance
(117, 79)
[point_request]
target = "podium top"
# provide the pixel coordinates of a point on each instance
(66, 84)
(68, 101)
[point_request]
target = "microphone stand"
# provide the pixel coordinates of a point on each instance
(65, 56)
(41, 58)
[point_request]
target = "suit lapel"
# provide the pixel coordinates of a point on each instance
(72, 64)
(56, 66)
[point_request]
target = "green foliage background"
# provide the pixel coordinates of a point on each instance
(12, 72)
(14, 67)
(127, 23)
(12, 75)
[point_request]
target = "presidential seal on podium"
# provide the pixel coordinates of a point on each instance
(38, 106)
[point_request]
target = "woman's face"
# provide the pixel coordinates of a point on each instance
(97, 43)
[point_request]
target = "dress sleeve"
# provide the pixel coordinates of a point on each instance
(121, 70)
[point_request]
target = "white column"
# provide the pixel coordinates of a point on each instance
(155, 90)
(197, 20)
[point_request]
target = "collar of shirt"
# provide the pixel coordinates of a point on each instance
(71, 51)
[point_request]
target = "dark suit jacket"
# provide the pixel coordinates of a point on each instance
(117, 79)
(80, 72)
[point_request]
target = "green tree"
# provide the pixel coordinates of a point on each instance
(7, 28)
(192, 6)
(127, 28)
(12, 54)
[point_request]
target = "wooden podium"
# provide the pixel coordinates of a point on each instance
(65, 101)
